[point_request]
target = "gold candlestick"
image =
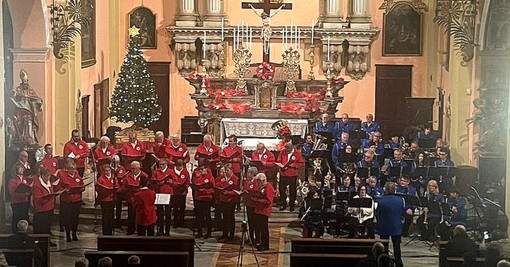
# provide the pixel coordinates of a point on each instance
(311, 75)
(329, 90)
(290, 67)
(203, 74)
(242, 60)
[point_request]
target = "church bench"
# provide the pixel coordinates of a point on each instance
(42, 241)
(459, 262)
(19, 257)
(444, 261)
(311, 259)
(148, 244)
(335, 246)
(152, 258)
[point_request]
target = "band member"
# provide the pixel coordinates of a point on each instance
(71, 199)
(397, 162)
(405, 188)
(44, 203)
(324, 125)
(160, 145)
(143, 203)
(458, 210)
(226, 185)
(162, 183)
(208, 153)
(344, 125)
(266, 160)
(119, 172)
(233, 154)
(251, 184)
(389, 210)
(429, 219)
(369, 163)
(264, 203)
(419, 179)
(49, 161)
(394, 142)
(311, 215)
(19, 189)
(289, 160)
(176, 150)
(133, 150)
(370, 125)
(373, 189)
(203, 188)
(307, 148)
(181, 180)
(130, 185)
(77, 150)
(338, 147)
(363, 216)
(104, 152)
(445, 183)
(106, 188)
(374, 143)
(341, 204)
(414, 149)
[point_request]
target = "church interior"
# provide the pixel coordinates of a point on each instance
(250, 68)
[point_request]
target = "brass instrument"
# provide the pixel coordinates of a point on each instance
(319, 143)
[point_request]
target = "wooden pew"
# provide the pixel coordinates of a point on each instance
(19, 257)
(42, 241)
(445, 261)
(459, 262)
(328, 252)
(148, 244)
(152, 258)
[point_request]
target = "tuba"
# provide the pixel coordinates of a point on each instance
(319, 143)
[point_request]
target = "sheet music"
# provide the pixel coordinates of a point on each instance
(71, 155)
(162, 199)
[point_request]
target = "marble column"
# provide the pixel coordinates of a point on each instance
(187, 15)
(358, 14)
(214, 12)
(332, 15)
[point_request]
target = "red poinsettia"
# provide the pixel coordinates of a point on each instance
(266, 70)
(337, 80)
(219, 94)
(294, 108)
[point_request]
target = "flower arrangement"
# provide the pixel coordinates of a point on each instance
(239, 108)
(197, 76)
(266, 71)
(220, 94)
(311, 104)
(338, 80)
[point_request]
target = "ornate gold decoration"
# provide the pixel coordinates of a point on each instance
(185, 58)
(215, 60)
(242, 60)
(329, 89)
(418, 5)
(311, 75)
(459, 20)
(133, 31)
(358, 63)
(67, 20)
(290, 68)
(142, 134)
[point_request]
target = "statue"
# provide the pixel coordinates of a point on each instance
(266, 31)
(23, 125)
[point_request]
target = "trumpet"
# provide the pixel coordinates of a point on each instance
(319, 143)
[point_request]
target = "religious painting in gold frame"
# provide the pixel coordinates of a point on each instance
(143, 19)
(402, 29)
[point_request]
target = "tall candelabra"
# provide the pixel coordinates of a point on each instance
(203, 74)
(311, 75)
(329, 90)
(242, 60)
(290, 68)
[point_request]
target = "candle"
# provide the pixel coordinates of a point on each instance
(299, 38)
(313, 29)
(242, 34)
(238, 36)
(251, 38)
(222, 29)
(285, 36)
(235, 41)
(291, 33)
(329, 42)
(205, 43)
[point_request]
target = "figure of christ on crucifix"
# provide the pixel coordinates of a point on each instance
(266, 16)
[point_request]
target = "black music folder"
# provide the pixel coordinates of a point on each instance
(316, 204)
(366, 172)
(426, 143)
(359, 203)
(442, 171)
(344, 195)
(412, 200)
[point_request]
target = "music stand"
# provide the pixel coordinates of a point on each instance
(388, 152)
(426, 143)
(359, 203)
(362, 172)
(328, 136)
(417, 202)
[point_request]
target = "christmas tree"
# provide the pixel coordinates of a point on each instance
(134, 98)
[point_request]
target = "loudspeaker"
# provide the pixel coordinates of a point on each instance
(466, 176)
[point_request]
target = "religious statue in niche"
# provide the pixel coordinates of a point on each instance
(143, 19)
(22, 126)
(402, 31)
(266, 31)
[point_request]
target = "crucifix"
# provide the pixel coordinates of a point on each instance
(266, 6)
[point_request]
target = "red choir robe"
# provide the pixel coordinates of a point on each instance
(173, 153)
(204, 186)
(264, 201)
(233, 155)
(14, 182)
(181, 181)
(131, 184)
(249, 185)
(266, 159)
(72, 182)
(161, 181)
(159, 149)
(41, 196)
(79, 149)
(210, 154)
(226, 188)
(291, 164)
(50, 163)
(145, 210)
(101, 154)
(132, 152)
(106, 188)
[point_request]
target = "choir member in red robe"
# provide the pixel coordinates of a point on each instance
(130, 185)
(264, 160)
(44, 203)
(133, 150)
(160, 144)
(145, 210)
(233, 154)
(251, 184)
(263, 204)
(203, 191)
(181, 181)
(106, 188)
(19, 190)
(289, 160)
(161, 182)
(70, 200)
(176, 150)
(227, 184)
(104, 152)
(49, 161)
(208, 153)
(119, 172)
(77, 150)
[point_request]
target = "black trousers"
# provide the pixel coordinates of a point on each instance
(71, 213)
(179, 206)
(118, 209)
(253, 231)
(42, 222)
(108, 217)
(408, 220)
(131, 219)
(19, 212)
(397, 252)
(354, 225)
(229, 222)
(263, 227)
(203, 214)
(142, 230)
(290, 181)
(164, 213)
